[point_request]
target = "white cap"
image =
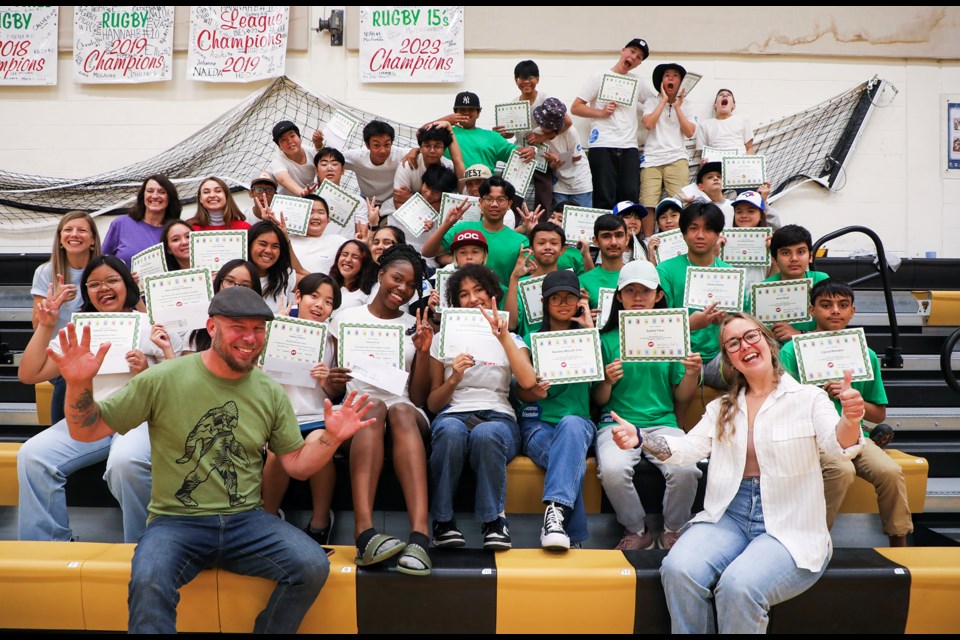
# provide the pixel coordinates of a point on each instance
(751, 197)
(639, 272)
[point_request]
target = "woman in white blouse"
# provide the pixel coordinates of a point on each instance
(762, 438)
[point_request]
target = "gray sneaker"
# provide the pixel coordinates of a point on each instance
(633, 541)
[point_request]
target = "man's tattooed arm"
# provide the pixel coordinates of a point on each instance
(84, 412)
(657, 446)
(83, 415)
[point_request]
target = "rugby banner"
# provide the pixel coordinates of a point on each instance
(122, 45)
(28, 45)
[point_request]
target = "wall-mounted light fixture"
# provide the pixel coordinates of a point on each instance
(334, 24)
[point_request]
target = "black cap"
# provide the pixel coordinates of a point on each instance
(707, 167)
(661, 69)
(466, 100)
(562, 280)
(282, 127)
(641, 44)
(239, 302)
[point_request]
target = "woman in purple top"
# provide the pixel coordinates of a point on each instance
(157, 202)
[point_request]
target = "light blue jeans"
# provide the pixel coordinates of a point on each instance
(734, 563)
(174, 549)
(573, 199)
(561, 450)
(489, 446)
(44, 462)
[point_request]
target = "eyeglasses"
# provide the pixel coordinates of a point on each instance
(568, 300)
(432, 146)
(264, 190)
(230, 282)
(501, 200)
(112, 281)
(750, 337)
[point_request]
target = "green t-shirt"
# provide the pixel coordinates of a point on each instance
(818, 276)
(502, 246)
(482, 146)
(571, 258)
(871, 390)
(562, 400)
(596, 279)
(673, 280)
(644, 395)
(206, 434)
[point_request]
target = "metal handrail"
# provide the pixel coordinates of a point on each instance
(893, 359)
(946, 358)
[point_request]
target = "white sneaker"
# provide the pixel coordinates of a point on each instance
(553, 536)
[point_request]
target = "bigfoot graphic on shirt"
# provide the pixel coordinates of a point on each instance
(218, 446)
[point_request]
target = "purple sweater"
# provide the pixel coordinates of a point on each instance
(126, 238)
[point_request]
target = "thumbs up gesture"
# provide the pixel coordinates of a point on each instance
(851, 402)
(625, 434)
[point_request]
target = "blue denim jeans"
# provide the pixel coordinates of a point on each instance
(561, 450)
(174, 549)
(734, 563)
(489, 446)
(573, 199)
(44, 462)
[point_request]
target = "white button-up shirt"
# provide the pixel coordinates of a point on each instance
(794, 423)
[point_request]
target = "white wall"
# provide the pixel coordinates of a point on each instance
(894, 184)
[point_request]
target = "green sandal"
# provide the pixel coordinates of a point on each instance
(414, 561)
(380, 548)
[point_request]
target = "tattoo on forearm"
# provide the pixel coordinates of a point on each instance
(85, 410)
(657, 446)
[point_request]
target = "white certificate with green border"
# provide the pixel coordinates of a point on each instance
(121, 330)
(690, 80)
(717, 154)
(519, 173)
(541, 159)
(468, 331)
(671, 245)
(296, 213)
(442, 276)
(782, 301)
(358, 341)
(513, 116)
(293, 347)
(605, 299)
(341, 204)
(617, 88)
(414, 213)
(578, 223)
(565, 357)
(148, 262)
(654, 335)
(746, 247)
(179, 299)
(212, 249)
(824, 356)
(450, 200)
(338, 129)
(743, 171)
(531, 292)
(706, 285)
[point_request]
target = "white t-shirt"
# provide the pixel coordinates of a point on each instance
(350, 299)
(302, 174)
(484, 386)
(273, 301)
(375, 180)
(730, 133)
(620, 130)
(665, 141)
(317, 255)
(308, 402)
(411, 178)
(362, 315)
(572, 177)
(42, 278)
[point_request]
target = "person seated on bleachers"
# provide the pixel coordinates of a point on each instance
(475, 421)
(216, 208)
(157, 201)
(262, 187)
(45, 460)
(292, 163)
(555, 426)
(384, 237)
(233, 273)
(668, 387)
(831, 303)
(269, 250)
(433, 140)
(329, 164)
(315, 252)
(541, 257)
(610, 237)
(176, 244)
(791, 248)
(748, 212)
(762, 537)
(355, 272)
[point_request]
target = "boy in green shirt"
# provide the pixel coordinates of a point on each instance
(792, 247)
(540, 258)
(610, 236)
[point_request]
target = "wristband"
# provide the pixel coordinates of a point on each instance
(640, 438)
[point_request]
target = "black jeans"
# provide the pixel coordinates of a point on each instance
(616, 175)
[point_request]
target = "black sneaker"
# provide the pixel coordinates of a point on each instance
(322, 536)
(447, 535)
(496, 535)
(553, 535)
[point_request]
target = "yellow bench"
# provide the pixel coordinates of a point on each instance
(43, 393)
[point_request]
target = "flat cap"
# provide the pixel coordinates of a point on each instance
(239, 302)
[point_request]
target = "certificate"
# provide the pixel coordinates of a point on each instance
(743, 171)
(148, 262)
(706, 285)
(578, 223)
(783, 301)
(382, 342)
(690, 80)
(617, 88)
(293, 347)
(541, 160)
(822, 357)
(468, 331)
(296, 213)
(531, 292)
(414, 213)
(717, 154)
(655, 335)
(605, 296)
(671, 245)
(519, 173)
(378, 373)
(121, 330)
(746, 247)
(564, 357)
(513, 116)
(211, 249)
(693, 193)
(179, 299)
(442, 276)
(341, 204)
(450, 200)
(339, 129)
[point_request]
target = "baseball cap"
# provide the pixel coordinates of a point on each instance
(239, 302)
(625, 207)
(476, 172)
(549, 115)
(708, 167)
(282, 127)
(468, 237)
(661, 69)
(638, 272)
(641, 44)
(264, 178)
(466, 100)
(752, 197)
(668, 203)
(558, 281)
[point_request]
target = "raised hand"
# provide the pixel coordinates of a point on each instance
(48, 310)
(423, 337)
(283, 309)
(317, 139)
(625, 434)
(498, 324)
(851, 402)
(348, 419)
(70, 290)
(528, 219)
(585, 319)
(76, 363)
(373, 212)
(525, 263)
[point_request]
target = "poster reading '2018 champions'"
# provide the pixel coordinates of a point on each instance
(28, 45)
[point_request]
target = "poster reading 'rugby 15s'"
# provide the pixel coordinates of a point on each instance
(411, 44)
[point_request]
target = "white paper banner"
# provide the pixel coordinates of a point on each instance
(122, 45)
(237, 44)
(411, 44)
(28, 45)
